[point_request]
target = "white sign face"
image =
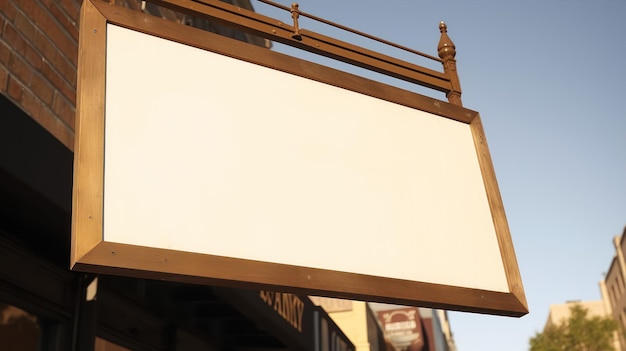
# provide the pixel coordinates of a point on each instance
(206, 160)
(228, 158)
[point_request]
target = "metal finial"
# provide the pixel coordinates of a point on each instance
(442, 27)
(446, 48)
(295, 13)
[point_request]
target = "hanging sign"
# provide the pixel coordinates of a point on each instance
(207, 160)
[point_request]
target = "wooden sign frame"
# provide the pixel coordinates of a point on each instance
(92, 253)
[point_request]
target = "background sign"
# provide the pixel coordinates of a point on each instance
(402, 328)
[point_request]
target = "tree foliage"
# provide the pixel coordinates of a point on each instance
(577, 333)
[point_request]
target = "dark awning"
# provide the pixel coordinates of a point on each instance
(293, 319)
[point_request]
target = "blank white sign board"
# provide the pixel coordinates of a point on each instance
(206, 160)
(229, 158)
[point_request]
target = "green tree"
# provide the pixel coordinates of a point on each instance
(577, 333)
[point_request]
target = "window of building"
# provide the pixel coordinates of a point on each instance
(104, 345)
(19, 330)
(612, 295)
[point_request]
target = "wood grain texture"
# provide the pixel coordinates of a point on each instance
(498, 214)
(278, 31)
(89, 142)
(152, 263)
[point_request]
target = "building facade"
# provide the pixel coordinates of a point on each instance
(560, 312)
(598, 308)
(385, 327)
(614, 287)
(613, 293)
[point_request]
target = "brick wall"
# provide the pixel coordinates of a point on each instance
(38, 55)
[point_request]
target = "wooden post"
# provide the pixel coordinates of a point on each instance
(85, 314)
(447, 52)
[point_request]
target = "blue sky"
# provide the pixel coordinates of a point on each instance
(549, 80)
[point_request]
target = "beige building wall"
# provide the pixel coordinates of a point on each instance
(446, 330)
(560, 312)
(350, 317)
